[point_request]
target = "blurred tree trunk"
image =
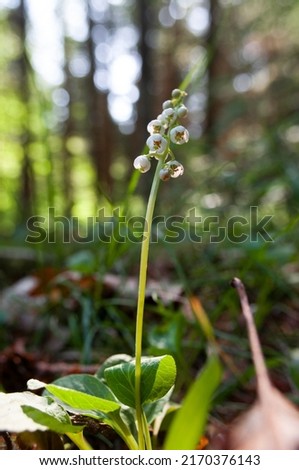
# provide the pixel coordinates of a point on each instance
(169, 74)
(218, 71)
(145, 13)
(100, 126)
(145, 105)
(68, 130)
(159, 74)
(27, 186)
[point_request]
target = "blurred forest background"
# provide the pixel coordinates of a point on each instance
(80, 80)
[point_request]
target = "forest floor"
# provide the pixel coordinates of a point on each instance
(56, 322)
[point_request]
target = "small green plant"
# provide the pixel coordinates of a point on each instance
(127, 393)
(163, 130)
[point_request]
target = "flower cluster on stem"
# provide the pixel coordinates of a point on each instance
(164, 130)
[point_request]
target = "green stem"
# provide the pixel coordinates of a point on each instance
(79, 440)
(123, 430)
(143, 434)
(148, 442)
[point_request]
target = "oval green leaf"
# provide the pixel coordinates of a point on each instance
(157, 377)
(82, 401)
(85, 383)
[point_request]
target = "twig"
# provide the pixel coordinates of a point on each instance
(263, 380)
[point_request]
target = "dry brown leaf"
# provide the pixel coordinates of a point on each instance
(272, 423)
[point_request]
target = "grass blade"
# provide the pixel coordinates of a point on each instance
(189, 422)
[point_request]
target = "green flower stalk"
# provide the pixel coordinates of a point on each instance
(163, 130)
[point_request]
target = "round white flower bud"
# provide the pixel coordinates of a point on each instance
(168, 115)
(176, 93)
(182, 111)
(142, 163)
(167, 104)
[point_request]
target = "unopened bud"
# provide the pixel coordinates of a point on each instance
(142, 163)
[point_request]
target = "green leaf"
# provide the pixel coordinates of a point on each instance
(86, 383)
(157, 377)
(54, 418)
(89, 396)
(189, 421)
(113, 360)
(82, 401)
(154, 409)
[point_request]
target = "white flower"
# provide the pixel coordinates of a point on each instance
(142, 163)
(156, 143)
(179, 135)
(155, 126)
(165, 174)
(176, 169)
